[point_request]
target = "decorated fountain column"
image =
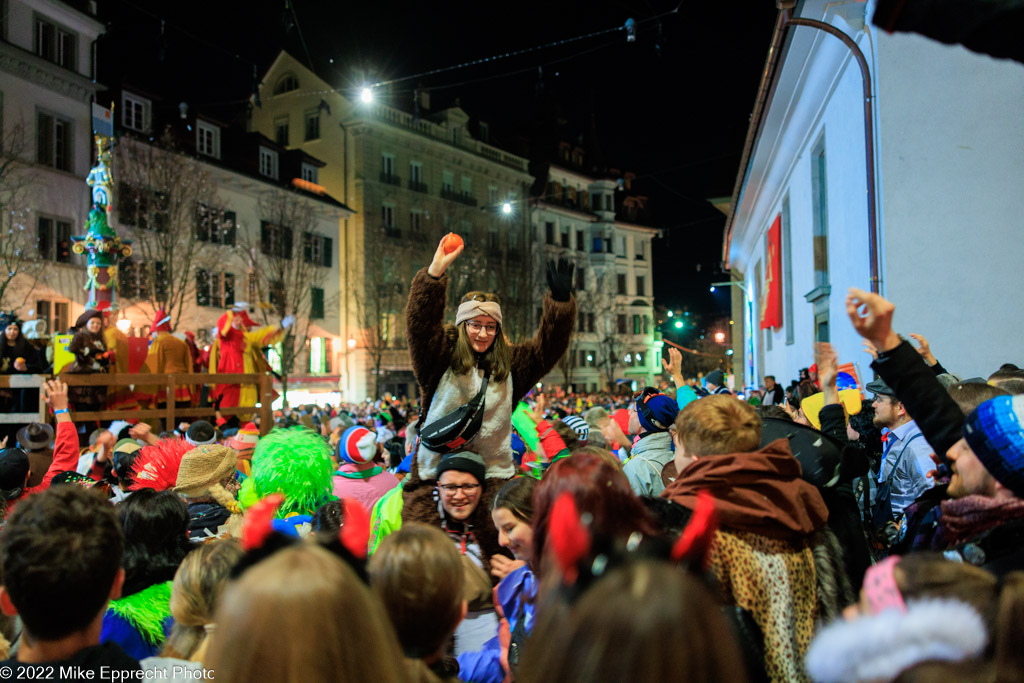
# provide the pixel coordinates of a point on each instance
(102, 245)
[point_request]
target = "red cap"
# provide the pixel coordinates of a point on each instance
(162, 322)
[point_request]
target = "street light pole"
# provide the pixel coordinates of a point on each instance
(749, 374)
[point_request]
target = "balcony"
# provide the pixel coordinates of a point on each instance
(460, 197)
(417, 186)
(389, 179)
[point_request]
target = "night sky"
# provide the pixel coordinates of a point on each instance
(672, 107)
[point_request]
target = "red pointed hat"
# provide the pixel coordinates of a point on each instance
(162, 322)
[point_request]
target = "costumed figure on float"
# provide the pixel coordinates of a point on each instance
(238, 348)
(169, 355)
(470, 379)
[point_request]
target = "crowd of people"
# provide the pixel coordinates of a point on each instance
(484, 533)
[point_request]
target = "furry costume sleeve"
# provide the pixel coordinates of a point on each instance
(533, 359)
(429, 350)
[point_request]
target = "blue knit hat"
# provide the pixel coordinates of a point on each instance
(656, 411)
(995, 432)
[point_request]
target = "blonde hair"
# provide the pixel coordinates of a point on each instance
(418, 574)
(197, 587)
(717, 425)
(302, 615)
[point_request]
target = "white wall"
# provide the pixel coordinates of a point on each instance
(951, 126)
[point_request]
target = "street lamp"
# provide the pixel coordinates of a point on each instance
(506, 208)
(366, 95)
(719, 337)
(679, 324)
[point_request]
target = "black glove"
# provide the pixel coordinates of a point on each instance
(560, 278)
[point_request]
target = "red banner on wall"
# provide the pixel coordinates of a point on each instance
(771, 302)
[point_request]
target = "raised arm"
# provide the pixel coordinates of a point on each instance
(424, 315)
(903, 369)
(533, 359)
(65, 447)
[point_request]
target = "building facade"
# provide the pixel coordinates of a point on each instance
(615, 340)
(47, 84)
(947, 158)
(410, 178)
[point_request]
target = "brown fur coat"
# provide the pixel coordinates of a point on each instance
(430, 351)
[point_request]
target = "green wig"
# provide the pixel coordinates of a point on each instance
(296, 462)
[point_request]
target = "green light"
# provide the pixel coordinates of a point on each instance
(679, 324)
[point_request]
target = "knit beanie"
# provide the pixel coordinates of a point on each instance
(995, 433)
(203, 467)
(245, 439)
(358, 446)
(716, 377)
(656, 412)
(578, 425)
(467, 462)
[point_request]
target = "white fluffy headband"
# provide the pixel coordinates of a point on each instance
(471, 309)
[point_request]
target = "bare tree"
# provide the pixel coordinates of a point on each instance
(379, 298)
(290, 281)
(602, 303)
(166, 197)
(20, 254)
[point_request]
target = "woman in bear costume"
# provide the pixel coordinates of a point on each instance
(449, 362)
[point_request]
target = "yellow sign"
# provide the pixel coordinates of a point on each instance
(61, 356)
(812, 405)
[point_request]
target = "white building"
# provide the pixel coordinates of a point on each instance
(615, 337)
(948, 164)
(47, 84)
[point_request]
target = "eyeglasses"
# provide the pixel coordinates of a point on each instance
(452, 489)
(477, 328)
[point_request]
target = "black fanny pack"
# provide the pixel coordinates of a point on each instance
(451, 431)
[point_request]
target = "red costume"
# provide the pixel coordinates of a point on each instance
(240, 351)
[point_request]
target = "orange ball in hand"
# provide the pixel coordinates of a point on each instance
(451, 242)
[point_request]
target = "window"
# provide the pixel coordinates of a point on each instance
(638, 324)
(215, 226)
(55, 44)
(456, 135)
(310, 172)
(787, 275)
(638, 359)
(275, 240)
(316, 304)
(549, 232)
(53, 141)
(485, 132)
(320, 351)
(565, 236)
(581, 241)
(143, 209)
(416, 177)
(640, 246)
(281, 131)
(492, 239)
(387, 169)
(55, 239)
(416, 222)
(387, 215)
(55, 314)
(467, 186)
(513, 240)
(313, 125)
(268, 163)
(214, 289)
(286, 83)
(447, 182)
(581, 281)
(620, 283)
(819, 197)
(492, 196)
(621, 323)
(208, 139)
(641, 286)
(135, 112)
(590, 322)
(620, 245)
(317, 249)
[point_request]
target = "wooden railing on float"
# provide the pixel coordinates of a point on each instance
(169, 413)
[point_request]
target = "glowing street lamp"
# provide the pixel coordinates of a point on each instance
(366, 95)
(719, 337)
(679, 324)
(506, 208)
(124, 324)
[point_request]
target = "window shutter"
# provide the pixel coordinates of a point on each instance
(327, 252)
(307, 247)
(229, 231)
(229, 289)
